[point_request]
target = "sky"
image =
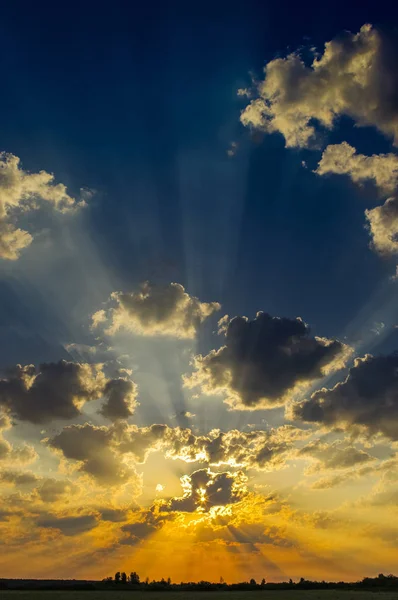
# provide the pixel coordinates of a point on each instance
(198, 290)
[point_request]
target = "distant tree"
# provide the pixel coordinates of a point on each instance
(146, 580)
(169, 581)
(290, 581)
(263, 581)
(135, 578)
(124, 577)
(222, 581)
(252, 581)
(117, 577)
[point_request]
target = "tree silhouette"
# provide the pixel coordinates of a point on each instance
(263, 581)
(135, 578)
(124, 577)
(117, 577)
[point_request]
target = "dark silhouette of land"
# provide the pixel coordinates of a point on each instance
(123, 582)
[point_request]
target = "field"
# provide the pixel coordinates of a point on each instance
(236, 595)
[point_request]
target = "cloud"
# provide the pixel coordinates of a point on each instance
(355, 76)
(147, 522)
(342, 159)
(70, 526)
(264, 362)
(114, 515)
(93, 447)
(59, 390)
(18, 477)
(108, 454)
(368, 399)
(335, 456)
(264, 450)
(51, 490)
(382, 169)
(14, 454)
(156, 311)
(20, 192)
(204, 489)
(383, 225)
(121, 399)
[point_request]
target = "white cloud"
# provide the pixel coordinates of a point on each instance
(20, 192)
(342, 159)
(355, 76)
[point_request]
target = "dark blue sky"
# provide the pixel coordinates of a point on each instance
(138, 102)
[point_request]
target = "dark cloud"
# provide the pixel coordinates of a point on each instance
(69, 526)
(265, 361)
(52, 490)
(18, 477)
(93, 447)
(156, 310)
(120, 399)
(368, 398)
(59, 390)
(115, 515)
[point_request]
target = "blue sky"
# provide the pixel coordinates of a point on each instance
(140, 105)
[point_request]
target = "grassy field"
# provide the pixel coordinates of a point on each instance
(269, 595)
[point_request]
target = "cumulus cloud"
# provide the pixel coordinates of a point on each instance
(20, 192)
(94, 449)
(59, 390)
(204, 490)
(121, 399)
(383, 225)
(367, 399)
(156, 311)
(355, 76)
(342, 159)
(264, 362)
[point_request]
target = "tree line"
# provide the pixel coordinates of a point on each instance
(132, 581)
